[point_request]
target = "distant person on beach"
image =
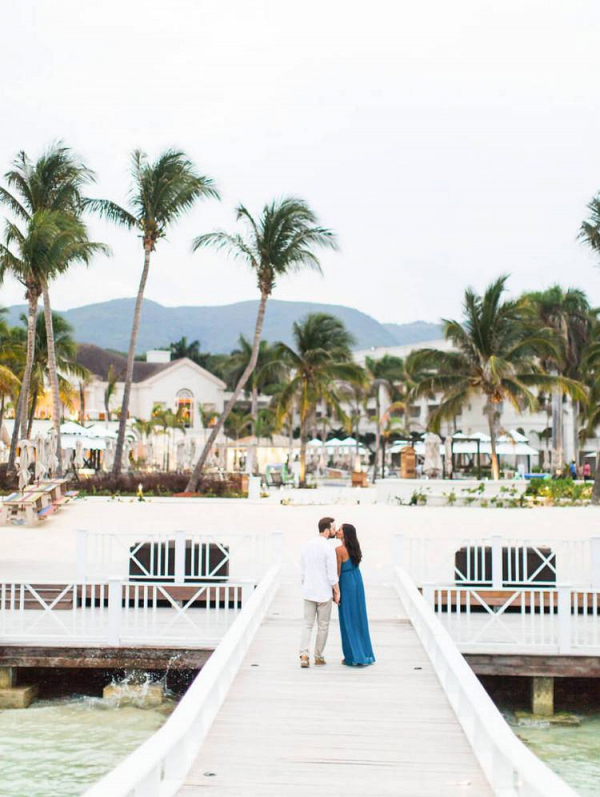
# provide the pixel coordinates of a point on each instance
(573, 469)
(587, 472)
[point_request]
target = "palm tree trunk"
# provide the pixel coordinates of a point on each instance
(53, 375)
(557, 432)
(260, 319)
(492, 427)
(251, 465)
(23, 403)
(2, 401)
(81, 402)
(137, 314)
(303, 436)
(34, 400)
(575, 406)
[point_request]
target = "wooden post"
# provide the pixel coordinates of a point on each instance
(542, 696)
(115, 611)
(179, 570)
(496, 562)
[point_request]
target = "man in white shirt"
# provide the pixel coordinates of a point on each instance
(319, 586)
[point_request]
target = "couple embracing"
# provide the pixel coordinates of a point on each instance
(332, 574)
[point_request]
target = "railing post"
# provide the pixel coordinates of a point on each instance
(247, 590)
(277, 537)
(399, 549)
(115, 611)
(564, 619)
(595, 558)
(179, 557)
(82, 546)
(496, 562)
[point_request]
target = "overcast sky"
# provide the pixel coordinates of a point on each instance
(444, 142)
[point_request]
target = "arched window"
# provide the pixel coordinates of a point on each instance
(184, 404)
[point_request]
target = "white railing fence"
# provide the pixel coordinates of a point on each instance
(157, 768)
(563, 621)
(509, 766)
(116, 612)
(498, 561)
(178, 555)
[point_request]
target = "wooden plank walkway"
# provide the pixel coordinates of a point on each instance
(334, 730)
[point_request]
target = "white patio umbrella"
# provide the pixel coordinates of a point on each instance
(108, 458)
(67, 458)
(180, 455)
(24, 474)
(432, 466)
(52, 459)
(448, 456)
(40, 457)
(79, 461)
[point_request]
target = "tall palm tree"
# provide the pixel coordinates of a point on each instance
(495, 355)
(50, 242)
(112, 377)
(183, 348)
(382, 375)
(52, 183)
(12, 351)
(280, 242)
(568, 314)
(161, 192)
(320, 361)
(267, 372)
(65, 359)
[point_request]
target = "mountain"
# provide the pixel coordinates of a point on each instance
(108, 324)
(415, 332)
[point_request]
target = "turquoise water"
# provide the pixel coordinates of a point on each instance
(58, 748)
(573, 753)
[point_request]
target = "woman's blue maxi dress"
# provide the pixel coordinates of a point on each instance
(354, 625)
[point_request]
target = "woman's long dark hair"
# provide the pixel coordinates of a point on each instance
(352, 544)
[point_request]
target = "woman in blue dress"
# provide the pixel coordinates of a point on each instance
(354, 624)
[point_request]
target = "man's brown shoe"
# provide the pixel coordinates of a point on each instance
(304, 661)
(319, 661)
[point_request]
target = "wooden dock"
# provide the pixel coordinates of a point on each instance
(334, 730)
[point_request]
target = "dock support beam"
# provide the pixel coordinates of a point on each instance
(12, 696)
(542, 696)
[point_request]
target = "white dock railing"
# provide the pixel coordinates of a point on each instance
(511, 769)
(157, 768)
(180, 555)
(498, 561)
(117, 613)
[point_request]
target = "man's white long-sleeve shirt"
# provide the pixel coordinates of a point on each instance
(318, 566)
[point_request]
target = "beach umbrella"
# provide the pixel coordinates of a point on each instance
(180, 455)
(448, 456)
(67, 458)
(432, 466)
(24, 474)
(52, 459)
(40, 457)
(109, 455)
(79, 461)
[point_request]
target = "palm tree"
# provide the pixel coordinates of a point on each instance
(52, 183)
(65, 359)
(568, 314)
(495, 355)
(320, 361)
(267, 372)
(382, 375)
(12, 352)
(182, 348)
(112, 377)
(161, 192)
(281, 242)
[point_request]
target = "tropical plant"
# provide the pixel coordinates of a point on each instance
(267, 371)
(65, 359)
(320, 361)
(12, 351)
(164, 418)
(183, 348)
(568, 314)
(161, 192)
(495, 355)
(50, 186)
(280, 242)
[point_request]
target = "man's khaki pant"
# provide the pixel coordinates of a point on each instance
(322, 613)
